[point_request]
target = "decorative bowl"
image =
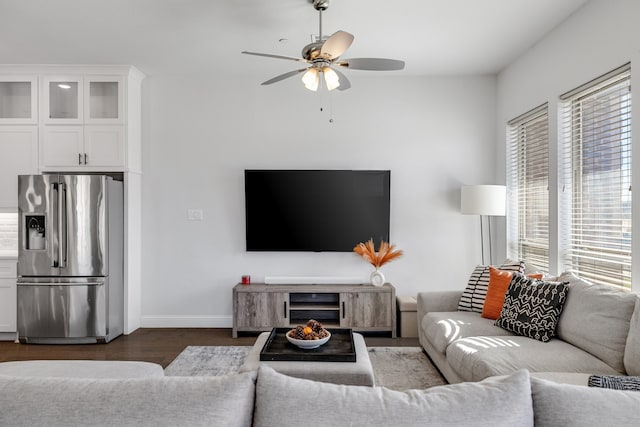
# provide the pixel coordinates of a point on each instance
(308, 344)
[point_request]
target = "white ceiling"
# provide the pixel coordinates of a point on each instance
(434, 37)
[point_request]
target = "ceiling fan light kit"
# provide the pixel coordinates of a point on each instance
(331, 78)
(311, 79)
(323, 55)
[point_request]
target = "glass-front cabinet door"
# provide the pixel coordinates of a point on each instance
(62, 100)
(18, 100)
(104, 101)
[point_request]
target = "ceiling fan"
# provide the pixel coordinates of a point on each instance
(323, 57)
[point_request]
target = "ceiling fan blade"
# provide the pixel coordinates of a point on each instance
(284, 76)
(344, 81)
(336, 45)
(372, 64)
(268, 55)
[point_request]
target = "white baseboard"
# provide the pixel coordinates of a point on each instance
(8, 336)
(313, 280)
(177, 321)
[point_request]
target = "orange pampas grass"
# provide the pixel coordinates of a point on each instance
(386, 253)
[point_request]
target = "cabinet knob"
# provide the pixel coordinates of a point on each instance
(79, 158)
(85, 158)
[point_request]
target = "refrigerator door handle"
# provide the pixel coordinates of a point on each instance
(55, 235)
(62, 224)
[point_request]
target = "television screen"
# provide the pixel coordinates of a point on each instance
(315, 210)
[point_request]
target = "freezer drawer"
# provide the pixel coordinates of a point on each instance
(62, 312)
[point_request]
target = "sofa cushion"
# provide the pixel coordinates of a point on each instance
(223, 401)
(574, 378)
(596, 319)
(442, 328)
(571, 405)
(474, 359)
(632, 349)
(288, 401)
(473, 296)
(532, 307)
(81, 369)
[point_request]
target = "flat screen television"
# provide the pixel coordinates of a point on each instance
(315, 210)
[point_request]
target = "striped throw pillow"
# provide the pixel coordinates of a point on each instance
(473, 296)
(616, 382)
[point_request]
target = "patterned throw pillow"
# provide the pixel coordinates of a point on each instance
(616, 382)
(473, 296)
(532, 307)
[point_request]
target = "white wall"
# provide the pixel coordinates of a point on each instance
(601, 36)
(200, 133)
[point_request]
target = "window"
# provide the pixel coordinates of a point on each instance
(528, 187)
(595, 209)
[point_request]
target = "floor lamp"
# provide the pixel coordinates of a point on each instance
(483, 200)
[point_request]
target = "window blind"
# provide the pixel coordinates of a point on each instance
(596, 164)
(528, 187)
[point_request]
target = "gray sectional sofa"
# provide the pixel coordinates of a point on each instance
(267, 398)
(598, 332)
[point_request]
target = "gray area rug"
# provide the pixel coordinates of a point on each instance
(397, 368)
(403, 368)
(207, 361)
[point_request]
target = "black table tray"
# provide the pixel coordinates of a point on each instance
(339, 348)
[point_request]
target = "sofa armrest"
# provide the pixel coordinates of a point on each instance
(437, 301)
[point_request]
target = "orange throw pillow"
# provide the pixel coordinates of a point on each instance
(498, 283)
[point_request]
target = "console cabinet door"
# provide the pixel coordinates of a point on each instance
(366, 311)
(261, 311)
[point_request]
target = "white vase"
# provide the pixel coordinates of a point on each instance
(377, 278)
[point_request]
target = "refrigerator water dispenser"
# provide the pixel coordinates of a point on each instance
(35, 232)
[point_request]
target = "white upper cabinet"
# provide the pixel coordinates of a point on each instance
(104, 146)
(86, 118)
(104, 100)
(18, 156)
(62, 100)
(62, 146)
(92, 108)
(18, 100)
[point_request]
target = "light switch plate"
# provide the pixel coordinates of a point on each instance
(195, 214)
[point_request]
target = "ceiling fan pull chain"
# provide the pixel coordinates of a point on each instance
(323, 99)
(330, 109)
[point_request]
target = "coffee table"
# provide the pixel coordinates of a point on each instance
(359, 372)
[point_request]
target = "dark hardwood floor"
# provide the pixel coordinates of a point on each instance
(158, 345)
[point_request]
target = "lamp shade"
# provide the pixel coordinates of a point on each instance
(483, 200)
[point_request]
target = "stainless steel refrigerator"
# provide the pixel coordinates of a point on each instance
(70, 259)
